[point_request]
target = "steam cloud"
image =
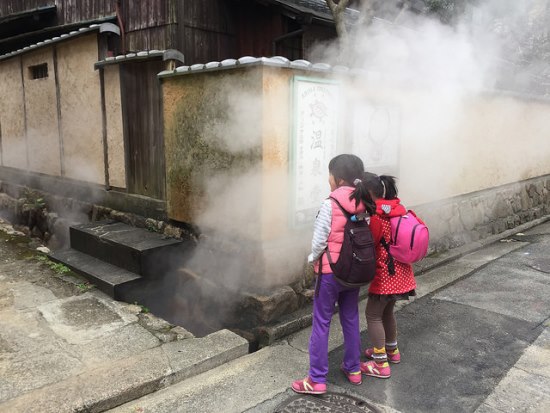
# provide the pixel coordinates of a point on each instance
(433, 73)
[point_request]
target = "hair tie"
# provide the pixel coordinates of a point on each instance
(384, 188)
(357, 182)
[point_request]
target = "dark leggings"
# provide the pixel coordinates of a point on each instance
(381, 321)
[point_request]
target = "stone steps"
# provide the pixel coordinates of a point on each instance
(110, 279)
(117, 257)
(133, 249)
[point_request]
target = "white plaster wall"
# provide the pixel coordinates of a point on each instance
(486, 141)
(115, 137)
(452, 144)
(41, 105)
(80, 99)
(12, 122)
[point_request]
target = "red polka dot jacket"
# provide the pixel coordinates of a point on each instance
(383, 283)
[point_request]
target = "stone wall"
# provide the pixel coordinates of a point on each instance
(48, 216)
(478, 215)
(456, 156)
(453, 223)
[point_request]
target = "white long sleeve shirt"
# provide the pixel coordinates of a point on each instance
(321, 231)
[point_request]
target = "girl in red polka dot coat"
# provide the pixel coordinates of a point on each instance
(385, 289)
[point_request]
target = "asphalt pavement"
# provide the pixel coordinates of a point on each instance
(476, 339)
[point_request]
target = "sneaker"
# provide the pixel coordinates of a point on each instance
(371, 368)
(306, 386)
(354, 378)
(393, 356)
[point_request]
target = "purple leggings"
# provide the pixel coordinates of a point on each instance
(328, 292)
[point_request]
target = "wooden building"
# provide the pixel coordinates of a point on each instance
(203, 30)
(127, 90)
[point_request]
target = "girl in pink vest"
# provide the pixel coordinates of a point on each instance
(386, 288)
(345, 173)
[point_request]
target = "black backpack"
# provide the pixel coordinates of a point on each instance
(356, 264)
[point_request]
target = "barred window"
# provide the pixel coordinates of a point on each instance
(38, 71)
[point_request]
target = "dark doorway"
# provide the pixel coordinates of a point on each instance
(142, 119)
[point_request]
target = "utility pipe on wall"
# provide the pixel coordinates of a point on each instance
(284, 37)
(121, 26)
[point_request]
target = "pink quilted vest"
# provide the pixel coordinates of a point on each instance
(336, 235)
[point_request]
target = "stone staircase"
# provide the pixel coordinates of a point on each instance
(116, 257)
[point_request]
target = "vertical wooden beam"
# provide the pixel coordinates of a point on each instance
(104, 127)
(58, 99)
(125, 133)
(27, 166)
(102, 48)
(160, 126)
(1, 151)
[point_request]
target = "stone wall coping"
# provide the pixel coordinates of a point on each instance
(275, 61)
(305, 65)
(141, 55)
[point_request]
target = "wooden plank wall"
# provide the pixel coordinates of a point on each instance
(206, 30)
(150, 24)
(8, 7)
(143, 128)
(258, 27)
(68, 11)
(73, 11)
(144, 14)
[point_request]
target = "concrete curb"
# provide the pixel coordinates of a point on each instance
(302, 318)
(131, 378)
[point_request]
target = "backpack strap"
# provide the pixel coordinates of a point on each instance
(346, 213)
(390, 262)
(397, 228)
(353, 217)
(331, 263)
(348, 216)
(318, 278)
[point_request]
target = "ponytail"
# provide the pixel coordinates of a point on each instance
(361, 193)
(390, 187)
(350, 169)
(383, 186)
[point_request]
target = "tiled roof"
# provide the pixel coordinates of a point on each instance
(105, 27)
(170, 54)
(276, 61)
(146, 54)
(317, 8)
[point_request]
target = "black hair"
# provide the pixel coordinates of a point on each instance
(350, 168)
(383, 186)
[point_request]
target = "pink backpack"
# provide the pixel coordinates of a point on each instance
(409, 239)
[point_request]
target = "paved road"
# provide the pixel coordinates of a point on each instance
(476, 340)
(67, 347)
(459, 342)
